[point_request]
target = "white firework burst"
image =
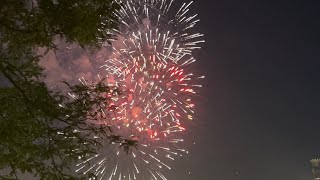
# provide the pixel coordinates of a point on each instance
(150, 63)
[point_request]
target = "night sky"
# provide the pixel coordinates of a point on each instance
(259, 113)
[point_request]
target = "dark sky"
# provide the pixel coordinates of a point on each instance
(259, 112)
(260, 109)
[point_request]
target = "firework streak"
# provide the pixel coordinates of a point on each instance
(150, 62)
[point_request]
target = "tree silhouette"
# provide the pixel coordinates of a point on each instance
(43, 132)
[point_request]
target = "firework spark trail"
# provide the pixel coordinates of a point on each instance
(150, 64)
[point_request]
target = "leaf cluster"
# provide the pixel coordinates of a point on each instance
(42, 132)
(38, 22)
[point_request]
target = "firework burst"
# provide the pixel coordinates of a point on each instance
(150, 64)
